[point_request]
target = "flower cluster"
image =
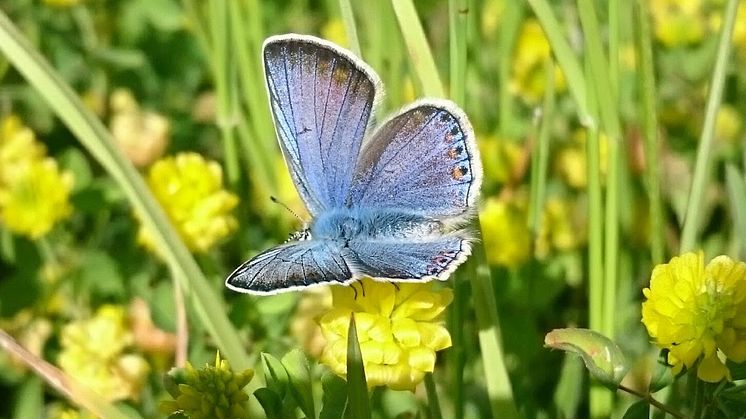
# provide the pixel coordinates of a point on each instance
(532, 51)
(208, 392)
(34, 193)
(95, 352)
(697, 313)
(190, 190)
(398, 327)
(506, 236)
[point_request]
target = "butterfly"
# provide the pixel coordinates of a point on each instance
(387, 203)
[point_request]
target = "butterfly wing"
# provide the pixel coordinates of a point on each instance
(423, 159)
(321, 98)
(291, 266)
(408, 260)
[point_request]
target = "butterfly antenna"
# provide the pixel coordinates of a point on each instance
(277, 201)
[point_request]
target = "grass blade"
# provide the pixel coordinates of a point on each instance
(358, 406)
(419, 51)
(699, 181)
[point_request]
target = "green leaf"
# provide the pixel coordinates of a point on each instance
(275, 375)
(29, 399)
(334, 400)
(299, 373)
(101, 276)
(737, 371)
(270, 401)
(661, 376)
(76, 162)
(357, 388)
(603, 358)
(638, 410)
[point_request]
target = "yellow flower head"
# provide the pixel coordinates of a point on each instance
(18, 146)
(34, 196)
(559, 228)
(93, 352)
(399, 328)
(190, 190)
(698, 313)
(571, 162)
(502, 159)
(335, 31)
(207, 393)
(532, 51)
(505, 227)
(678, 23)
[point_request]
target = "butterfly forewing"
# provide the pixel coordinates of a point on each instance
(289, 266)
(424, 159)
(321, 98)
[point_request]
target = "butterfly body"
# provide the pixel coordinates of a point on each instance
(386, 203)
(364, 224)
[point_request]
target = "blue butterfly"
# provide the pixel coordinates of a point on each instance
(387, 205)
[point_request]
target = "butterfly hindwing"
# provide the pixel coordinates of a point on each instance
(408, 259)
(321, 98)
(424, 159)
(292, 265)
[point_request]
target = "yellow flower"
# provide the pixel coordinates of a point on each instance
(532, 51)
(18, 145)
(34, 196)
(335, 31)
(398, 326)
(141, 135)
(94, 353)
(502, 159)
(678, 22)
(728, 123)
(559, 228)
(506, 235)
(698, 313)
(190, 190)
(571, 161)
(207, 393)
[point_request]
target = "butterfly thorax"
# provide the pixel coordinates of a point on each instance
(351, 223)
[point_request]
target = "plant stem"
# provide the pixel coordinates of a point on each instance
(653, 402)
(420, 54)
(697, 191)
(69, 387)
(649, 116)
(432, 397)
(348, 18)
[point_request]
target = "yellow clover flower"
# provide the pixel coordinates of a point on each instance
(35, 196)
(559, 228)
(94, 353)
(18, 145)
(190, 190)
(678, 22)
(698, 313)
(505, 231)
(399, 329)
(207, 393)
(532, 51)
